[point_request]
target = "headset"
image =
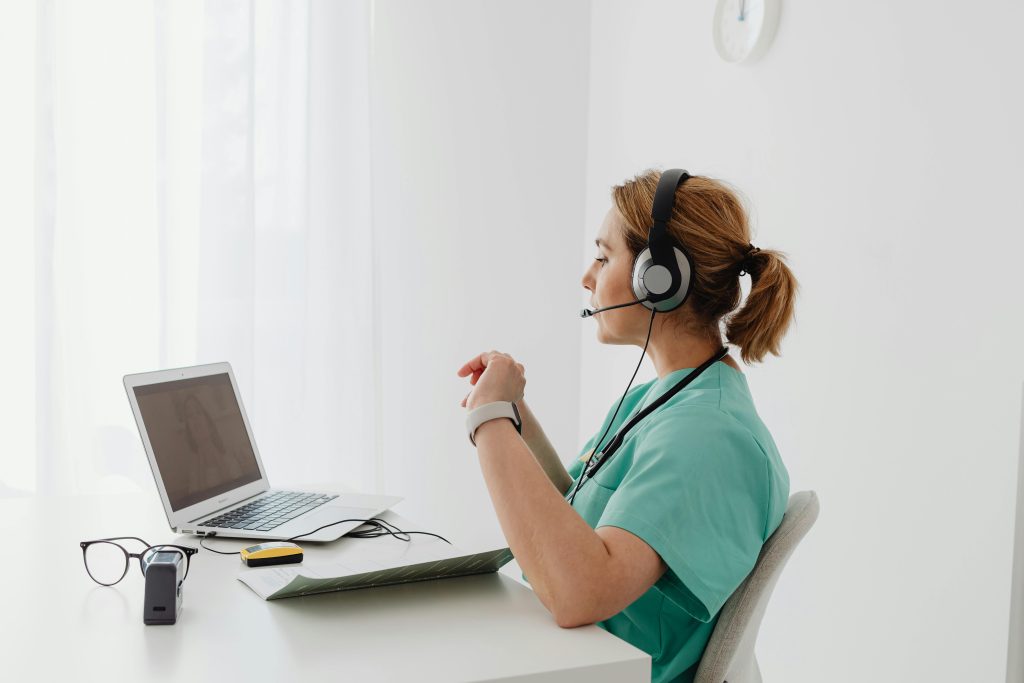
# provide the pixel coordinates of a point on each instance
(663, 272)
(662, 280)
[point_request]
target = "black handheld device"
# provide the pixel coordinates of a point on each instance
(165, 572)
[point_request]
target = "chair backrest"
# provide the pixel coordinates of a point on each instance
(729, 655)
(1015, 650)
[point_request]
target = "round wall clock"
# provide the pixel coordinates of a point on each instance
(743, 29)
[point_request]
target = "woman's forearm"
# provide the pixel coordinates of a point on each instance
(560, 554)
(542, 449)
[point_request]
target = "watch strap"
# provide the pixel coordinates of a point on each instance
(492, 411)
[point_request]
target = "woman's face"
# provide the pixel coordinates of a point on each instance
(609, 282)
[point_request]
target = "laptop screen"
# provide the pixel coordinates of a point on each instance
(198, 437)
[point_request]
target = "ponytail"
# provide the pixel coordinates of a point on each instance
(759, 326)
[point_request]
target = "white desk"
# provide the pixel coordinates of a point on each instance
(56, 624)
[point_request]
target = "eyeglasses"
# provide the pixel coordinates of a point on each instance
(107, 562)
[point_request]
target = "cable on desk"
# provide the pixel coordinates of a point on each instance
(378, 527)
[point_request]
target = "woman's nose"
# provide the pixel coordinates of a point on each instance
(588, 279)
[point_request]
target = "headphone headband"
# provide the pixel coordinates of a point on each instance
(663, 272)
(665, 196)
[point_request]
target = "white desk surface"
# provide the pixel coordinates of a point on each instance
(56, 622)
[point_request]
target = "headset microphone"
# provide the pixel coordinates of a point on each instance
(587, 312)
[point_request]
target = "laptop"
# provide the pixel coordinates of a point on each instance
(209, 472)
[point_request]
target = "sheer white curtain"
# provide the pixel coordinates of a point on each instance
(189, 183)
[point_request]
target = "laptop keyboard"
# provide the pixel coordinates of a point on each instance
(268, 512)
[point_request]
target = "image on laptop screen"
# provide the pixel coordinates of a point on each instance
(198, 437)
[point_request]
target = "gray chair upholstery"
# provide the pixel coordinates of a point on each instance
(729, 655)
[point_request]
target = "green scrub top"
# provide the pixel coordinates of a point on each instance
(701, 482)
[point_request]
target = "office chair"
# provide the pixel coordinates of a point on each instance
(729, 655)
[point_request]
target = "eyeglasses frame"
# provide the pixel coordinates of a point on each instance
(188, 551)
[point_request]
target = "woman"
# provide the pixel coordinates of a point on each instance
(652, 544)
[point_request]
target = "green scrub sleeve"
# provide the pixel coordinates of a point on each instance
(697, 493)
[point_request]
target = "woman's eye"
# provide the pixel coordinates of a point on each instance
(602, 261)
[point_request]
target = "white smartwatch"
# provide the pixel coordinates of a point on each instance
(492, 411)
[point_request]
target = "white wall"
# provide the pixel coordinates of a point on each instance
(479, 146)
(880, 146)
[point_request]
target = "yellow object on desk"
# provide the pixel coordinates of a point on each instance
(266, 554)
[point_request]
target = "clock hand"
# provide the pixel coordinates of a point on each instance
(742, 8)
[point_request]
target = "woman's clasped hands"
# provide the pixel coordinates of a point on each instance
(495, 376)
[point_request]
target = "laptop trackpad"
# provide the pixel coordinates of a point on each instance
(328, 515)
(363, 500)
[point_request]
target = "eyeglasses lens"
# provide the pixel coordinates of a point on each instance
(105, 562)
